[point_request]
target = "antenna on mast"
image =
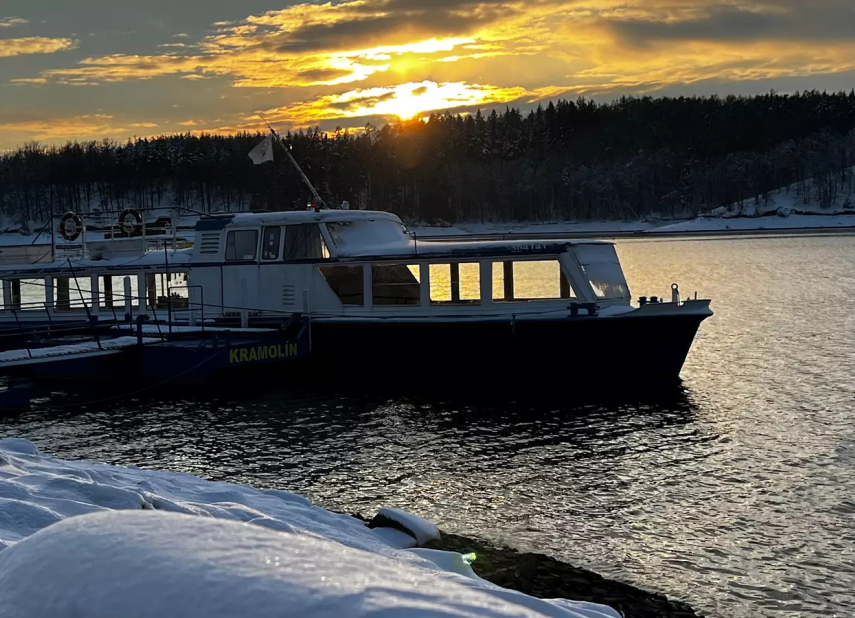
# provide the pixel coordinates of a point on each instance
(318, 199)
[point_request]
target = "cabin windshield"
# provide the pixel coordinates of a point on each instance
(601, 265)
(366, 233)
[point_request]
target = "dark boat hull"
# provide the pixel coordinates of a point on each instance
(615, 349)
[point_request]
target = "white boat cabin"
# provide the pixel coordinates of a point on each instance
(331, 264)
(341, 264)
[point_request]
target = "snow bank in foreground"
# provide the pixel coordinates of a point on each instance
(96, 540)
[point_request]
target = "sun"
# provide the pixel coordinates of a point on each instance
(410, 100)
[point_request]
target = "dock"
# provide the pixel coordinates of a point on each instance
(73, 351)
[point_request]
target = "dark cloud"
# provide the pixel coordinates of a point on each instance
(322, 75)
(134, 26)
(390, 29)
(367, 102)
(794, 21)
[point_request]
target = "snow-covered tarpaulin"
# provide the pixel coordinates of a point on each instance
(81, 539)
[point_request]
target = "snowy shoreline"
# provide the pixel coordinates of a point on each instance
(767, 224)
(82, 538)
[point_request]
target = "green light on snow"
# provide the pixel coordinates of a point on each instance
(470, 558)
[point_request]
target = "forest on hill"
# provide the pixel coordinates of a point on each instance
(633, 158)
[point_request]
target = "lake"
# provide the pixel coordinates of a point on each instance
(734, 491)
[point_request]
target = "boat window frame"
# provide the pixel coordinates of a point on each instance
(373, 283)
(502, 262)
(325, 250)
(279, 249)
(254, 258)
(454, 280)
(325, 269)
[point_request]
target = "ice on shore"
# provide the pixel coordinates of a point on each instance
(420, 528)
(96, 540)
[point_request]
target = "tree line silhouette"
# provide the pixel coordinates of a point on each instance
(633, 158)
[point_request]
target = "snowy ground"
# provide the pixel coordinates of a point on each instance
(81, 539)
(605, 228)
(759, 224)
(587, 227)
(785, 209)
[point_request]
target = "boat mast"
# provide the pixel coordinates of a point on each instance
(318, 199)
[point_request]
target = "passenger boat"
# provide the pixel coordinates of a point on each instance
(379, 300)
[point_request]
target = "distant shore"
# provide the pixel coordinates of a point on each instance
(616, 234)
(702, 226)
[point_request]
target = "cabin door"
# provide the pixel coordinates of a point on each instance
(240, 289)
(297, 279)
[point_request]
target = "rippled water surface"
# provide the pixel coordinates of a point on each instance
(734, 492)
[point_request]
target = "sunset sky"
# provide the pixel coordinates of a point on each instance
(90, 69)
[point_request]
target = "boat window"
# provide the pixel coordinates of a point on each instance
(395, 284)
(162, 288)
(24, 294)
(71, 293)
(241, 245)
(347, 282)
(455, 283)
(601, 265)
(304, 242)
(530, 280)
(113, 292)
(366, 233)
(270, 244)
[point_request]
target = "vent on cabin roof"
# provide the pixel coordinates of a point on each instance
(209, 243)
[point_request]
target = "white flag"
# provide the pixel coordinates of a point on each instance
(263, 152)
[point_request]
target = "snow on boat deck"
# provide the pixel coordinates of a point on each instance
(155, 329)
(88, 349)
(135, 543)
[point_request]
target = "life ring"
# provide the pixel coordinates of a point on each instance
(70, 226)
(129, 221)
(164, 224)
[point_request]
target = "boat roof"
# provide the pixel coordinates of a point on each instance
(411, 249)
(179, 259)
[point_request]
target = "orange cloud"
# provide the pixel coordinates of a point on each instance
(54, 129)
(359, 59)
(398, 41)
(33, 45)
